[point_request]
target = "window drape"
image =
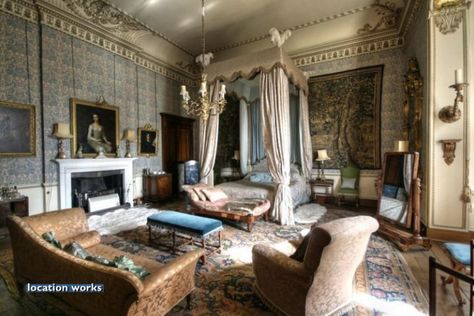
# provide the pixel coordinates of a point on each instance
(295, 129)
(274, 96)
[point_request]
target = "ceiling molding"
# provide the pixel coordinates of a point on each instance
(79, 29)
(107, 16)
(348, 51)
(21, 9)
(294, 28)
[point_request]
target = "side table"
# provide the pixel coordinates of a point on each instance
(321, 190)
(16, 206)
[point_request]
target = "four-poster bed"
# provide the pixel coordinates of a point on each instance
(276, 70)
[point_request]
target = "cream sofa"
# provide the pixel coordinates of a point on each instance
(37, 261)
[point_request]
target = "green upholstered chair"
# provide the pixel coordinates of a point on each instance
(349, 187)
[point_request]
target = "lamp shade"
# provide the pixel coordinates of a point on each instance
(61, 130)
(236, 155)
(322, 155)
(129, 134)
(401, 145)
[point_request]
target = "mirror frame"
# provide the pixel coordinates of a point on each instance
(409, 217)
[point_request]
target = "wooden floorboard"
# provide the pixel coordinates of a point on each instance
(447, 303)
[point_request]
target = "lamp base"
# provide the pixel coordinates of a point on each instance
(128, 155)
(61, 155)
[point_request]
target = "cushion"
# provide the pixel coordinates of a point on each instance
(86, 240)
(459, 252)
(214, 194)
(261, 177)
(200, 194)
(49, 237)
(348, 183)
(401, 194)
(121, 262)
(192, 223)
(390, 191)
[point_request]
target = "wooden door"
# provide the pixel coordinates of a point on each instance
(177, 140)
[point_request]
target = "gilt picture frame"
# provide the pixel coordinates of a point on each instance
(95, 127)
(147, 141)
(17, 129)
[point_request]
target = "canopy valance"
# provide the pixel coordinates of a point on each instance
(246, 66)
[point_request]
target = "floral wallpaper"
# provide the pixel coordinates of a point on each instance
(393, 95)
(74, 68)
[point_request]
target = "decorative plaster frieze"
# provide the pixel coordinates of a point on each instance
(71, 27)
(22, 9)
(389, 17)
(447, 19)
(349, 51)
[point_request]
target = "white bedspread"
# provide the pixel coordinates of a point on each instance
(120, 220)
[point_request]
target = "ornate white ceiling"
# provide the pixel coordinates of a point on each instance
(238, 23)
(164, 35)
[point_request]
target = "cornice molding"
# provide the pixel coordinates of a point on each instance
(21, 9)
(84, 31)
(319, 56)
(294, 28)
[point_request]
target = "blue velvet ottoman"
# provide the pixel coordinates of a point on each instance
(188, 227)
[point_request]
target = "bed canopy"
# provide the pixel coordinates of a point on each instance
(276, 71)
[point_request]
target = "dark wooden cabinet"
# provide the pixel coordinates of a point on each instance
(157, 187)
(18, 206)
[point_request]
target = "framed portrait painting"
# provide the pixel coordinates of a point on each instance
(95, 128)
(17, 129)
(147, 141)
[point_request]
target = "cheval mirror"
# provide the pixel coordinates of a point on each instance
(399, 200)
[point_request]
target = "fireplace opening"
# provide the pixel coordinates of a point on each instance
(87, 185)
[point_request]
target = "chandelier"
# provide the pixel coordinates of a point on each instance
(203, 107)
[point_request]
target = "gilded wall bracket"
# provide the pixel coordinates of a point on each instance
(449, 149)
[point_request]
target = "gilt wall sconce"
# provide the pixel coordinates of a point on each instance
(449, 148)
(452, 113)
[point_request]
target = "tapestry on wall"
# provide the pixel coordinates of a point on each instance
(344, 115)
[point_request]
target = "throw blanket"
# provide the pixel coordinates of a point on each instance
(246, 205)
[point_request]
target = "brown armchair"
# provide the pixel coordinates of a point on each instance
(322, 282)
(37, 261)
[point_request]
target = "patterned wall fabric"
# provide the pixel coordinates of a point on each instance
(393, 95)
(74, 68)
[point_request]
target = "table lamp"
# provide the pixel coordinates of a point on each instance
(129, 137)
(322, 157)
(61, 131)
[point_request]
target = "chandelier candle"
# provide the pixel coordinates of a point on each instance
(203, 107)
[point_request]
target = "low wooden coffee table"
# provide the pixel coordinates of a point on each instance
(194, 229)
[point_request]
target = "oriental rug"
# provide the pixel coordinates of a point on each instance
(225, 282)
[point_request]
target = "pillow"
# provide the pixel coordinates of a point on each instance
(261, 177)
(401, 195)
(348, 183)
(390, 191)
(49, 237)
(214, 194)
(200, 195)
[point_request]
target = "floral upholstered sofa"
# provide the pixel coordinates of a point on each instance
(38, 261)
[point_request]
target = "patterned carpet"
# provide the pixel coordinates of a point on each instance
(225, 282)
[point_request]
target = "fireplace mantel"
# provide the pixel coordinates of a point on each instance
(70, 166)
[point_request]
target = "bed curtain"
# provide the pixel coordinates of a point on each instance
(306, 148)
(275, 98)
(208, 135)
